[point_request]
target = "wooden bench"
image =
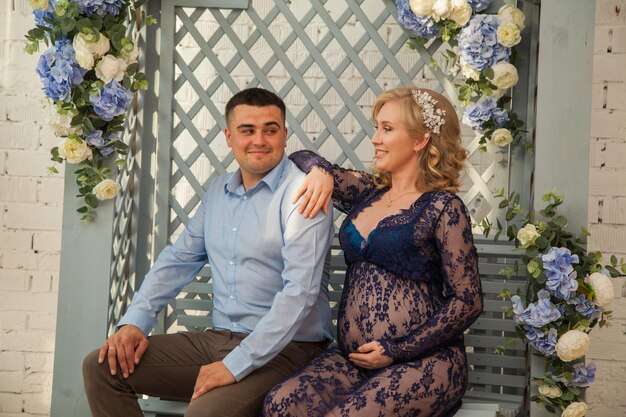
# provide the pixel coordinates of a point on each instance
(497, 376)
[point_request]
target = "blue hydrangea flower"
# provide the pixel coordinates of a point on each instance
(478, 43)
(111, 101)
(59, 71)
(560, 274)
(583, 375)
(479, 5)
(543, 342)
(95, 139)
(586, 307)
(421, 26)
(107, 150)
(100, 7)
(476, 114)
(535, 315)
(562, 285)
(560, 258)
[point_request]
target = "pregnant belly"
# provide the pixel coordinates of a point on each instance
(376, 304)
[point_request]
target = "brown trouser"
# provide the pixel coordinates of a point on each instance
(169, 368)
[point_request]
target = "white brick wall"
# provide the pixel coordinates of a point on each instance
(607, 198)
(30, 214)
(30, 237)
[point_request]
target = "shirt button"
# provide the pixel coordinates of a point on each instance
(234, 324)
(245, 197)
(231, 263)
(234, 229)
(231, 297)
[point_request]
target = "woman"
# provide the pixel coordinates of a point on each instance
(412, 285)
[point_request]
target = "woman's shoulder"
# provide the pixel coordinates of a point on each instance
(444, 198)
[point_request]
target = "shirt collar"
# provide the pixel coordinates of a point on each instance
(234, 183)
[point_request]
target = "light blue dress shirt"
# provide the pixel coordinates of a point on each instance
(268, 263)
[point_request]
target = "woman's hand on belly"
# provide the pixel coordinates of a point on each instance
(370, 356)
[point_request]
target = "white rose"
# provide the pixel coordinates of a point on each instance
(572, 345)
(527, 235)
(576, 409)
(106, 189)
(504, 75)
(61, 126)
(550, 391)
(74, 151)
(130, 57)
(111, 68)
(441, 9)
(602, 288)
(39, 4)
(100, 47)
(422, 7)
(510, 13)
(501, 137)
(468, 72)
(84, 56)
(461, 12)
(508, 34)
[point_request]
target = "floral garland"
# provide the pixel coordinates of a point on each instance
(90, 72)
(570, 290)
(569, 296)
(483, 57)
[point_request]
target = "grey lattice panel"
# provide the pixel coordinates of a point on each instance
(123, 275)
(327, 59)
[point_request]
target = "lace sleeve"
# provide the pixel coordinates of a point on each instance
(348, 184)
(462, 303)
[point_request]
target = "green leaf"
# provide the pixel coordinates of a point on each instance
(488, 73)
(532, 252)
(82, 209)
(83, 23)
(132, 69)
(614, 272)
(613, 260)
(541, 243)
(91, 200)
(532, 266)
(560, 221)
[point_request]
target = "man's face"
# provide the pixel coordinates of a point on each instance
(257, 136)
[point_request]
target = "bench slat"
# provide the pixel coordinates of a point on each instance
(497, 361)
(487, 378)
(484, 341)
(500, 324)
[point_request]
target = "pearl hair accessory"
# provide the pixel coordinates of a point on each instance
(432, 117)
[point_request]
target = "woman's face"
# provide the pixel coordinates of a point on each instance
(395, 147)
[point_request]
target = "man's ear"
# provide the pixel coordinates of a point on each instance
(227, 134)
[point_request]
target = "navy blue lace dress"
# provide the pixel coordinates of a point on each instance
(412, 285)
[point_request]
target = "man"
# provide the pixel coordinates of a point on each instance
(270, 313)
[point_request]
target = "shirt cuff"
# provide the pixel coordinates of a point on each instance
(238, 364)
(137, 317)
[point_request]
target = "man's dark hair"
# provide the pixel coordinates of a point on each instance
(257, 97)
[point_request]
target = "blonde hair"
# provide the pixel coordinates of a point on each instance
(441, 161)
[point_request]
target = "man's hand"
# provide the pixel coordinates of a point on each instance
(125, 346)
(212, 376)
(371, 356)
